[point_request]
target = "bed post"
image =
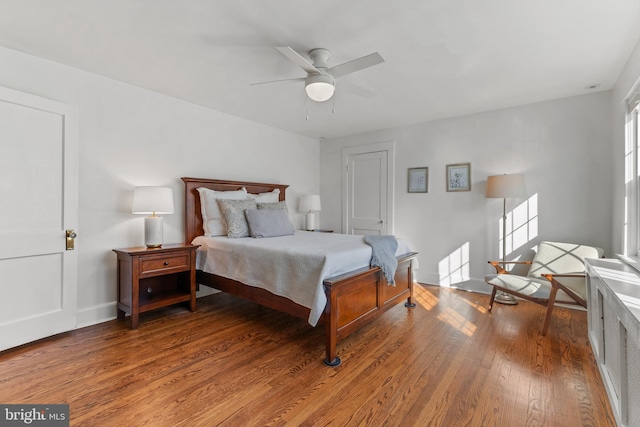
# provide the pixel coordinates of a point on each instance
(410, 303)
(331, 330)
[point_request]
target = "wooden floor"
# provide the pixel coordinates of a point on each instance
(447, 362)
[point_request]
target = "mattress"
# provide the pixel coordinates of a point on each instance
(292, 266)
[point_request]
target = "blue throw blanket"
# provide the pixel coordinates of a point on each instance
(383, 255)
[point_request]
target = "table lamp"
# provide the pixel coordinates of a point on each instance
(310, 204)
(152, 201)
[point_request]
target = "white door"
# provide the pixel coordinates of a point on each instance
(39, 196)
(368, 201)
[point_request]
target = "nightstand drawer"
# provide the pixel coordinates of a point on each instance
(153, 266)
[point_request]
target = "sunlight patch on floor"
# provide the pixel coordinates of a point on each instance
(476, 305)
(424, 298)
(457, 321)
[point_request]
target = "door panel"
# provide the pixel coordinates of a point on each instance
(38, 181)
(369, 189)
(367, 205)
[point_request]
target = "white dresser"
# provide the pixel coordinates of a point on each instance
(614, 332)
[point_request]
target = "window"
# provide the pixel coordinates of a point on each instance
(631, 232)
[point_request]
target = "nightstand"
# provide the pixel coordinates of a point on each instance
(155, 278)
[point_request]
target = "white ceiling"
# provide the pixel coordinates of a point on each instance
(444, 58)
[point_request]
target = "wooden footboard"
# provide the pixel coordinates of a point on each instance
(353, 299)
(357, 298)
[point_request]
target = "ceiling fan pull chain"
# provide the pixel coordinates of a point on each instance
(306, 109)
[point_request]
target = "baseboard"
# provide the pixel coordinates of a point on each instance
(104, 312)
(96, 314)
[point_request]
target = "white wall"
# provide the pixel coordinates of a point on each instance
(563, 148)
(131, 136)
(626, 81)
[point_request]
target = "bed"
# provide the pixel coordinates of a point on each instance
(353, 299)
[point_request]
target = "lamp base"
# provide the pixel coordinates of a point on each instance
(310, 221)
(153, 231)
(505, 298)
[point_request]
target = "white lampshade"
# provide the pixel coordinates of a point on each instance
(310, 202)
(319, 87)
(505, 186)
(152, 200)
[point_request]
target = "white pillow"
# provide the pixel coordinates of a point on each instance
(212, 220)
(270, 197)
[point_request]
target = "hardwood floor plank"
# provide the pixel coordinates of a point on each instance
(446, 362)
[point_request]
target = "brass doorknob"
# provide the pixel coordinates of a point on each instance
(71, 235)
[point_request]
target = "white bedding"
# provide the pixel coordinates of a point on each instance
(290, 266)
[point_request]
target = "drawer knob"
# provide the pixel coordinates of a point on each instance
(166, 263)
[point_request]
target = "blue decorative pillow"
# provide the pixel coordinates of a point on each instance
(269, 222)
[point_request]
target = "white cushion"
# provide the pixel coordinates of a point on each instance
(212, 220)
(565, 258)
(531, 286)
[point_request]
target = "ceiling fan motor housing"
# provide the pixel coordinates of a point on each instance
(320, 57)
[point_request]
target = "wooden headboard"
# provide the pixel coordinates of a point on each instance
(192, 210)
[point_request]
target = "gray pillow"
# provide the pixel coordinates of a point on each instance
(269, 222)
(233, 214)
(278, 205)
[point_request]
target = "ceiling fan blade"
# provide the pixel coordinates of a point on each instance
(297, 59)
(358, 90)
(279, 81)
(356, 65)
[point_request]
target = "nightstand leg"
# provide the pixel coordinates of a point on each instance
(134, 320)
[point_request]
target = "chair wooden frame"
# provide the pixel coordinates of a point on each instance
(548, 303)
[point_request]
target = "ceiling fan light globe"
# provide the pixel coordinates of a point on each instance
(320, 88)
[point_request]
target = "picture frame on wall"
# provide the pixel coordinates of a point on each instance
(459, 177)
(418, 180)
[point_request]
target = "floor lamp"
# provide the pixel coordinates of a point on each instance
(505, 187)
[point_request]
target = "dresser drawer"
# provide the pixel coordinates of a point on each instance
(164, 265)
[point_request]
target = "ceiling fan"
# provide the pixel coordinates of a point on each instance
(320, 81)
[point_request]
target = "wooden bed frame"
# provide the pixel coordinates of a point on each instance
(353, 299)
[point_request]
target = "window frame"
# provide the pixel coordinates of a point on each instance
(631, 222)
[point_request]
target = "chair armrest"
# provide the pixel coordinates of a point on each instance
(501, 270)
(572, 292)
(550, 276)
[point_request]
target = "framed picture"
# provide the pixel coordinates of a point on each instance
(459, 177)
(418, 180)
